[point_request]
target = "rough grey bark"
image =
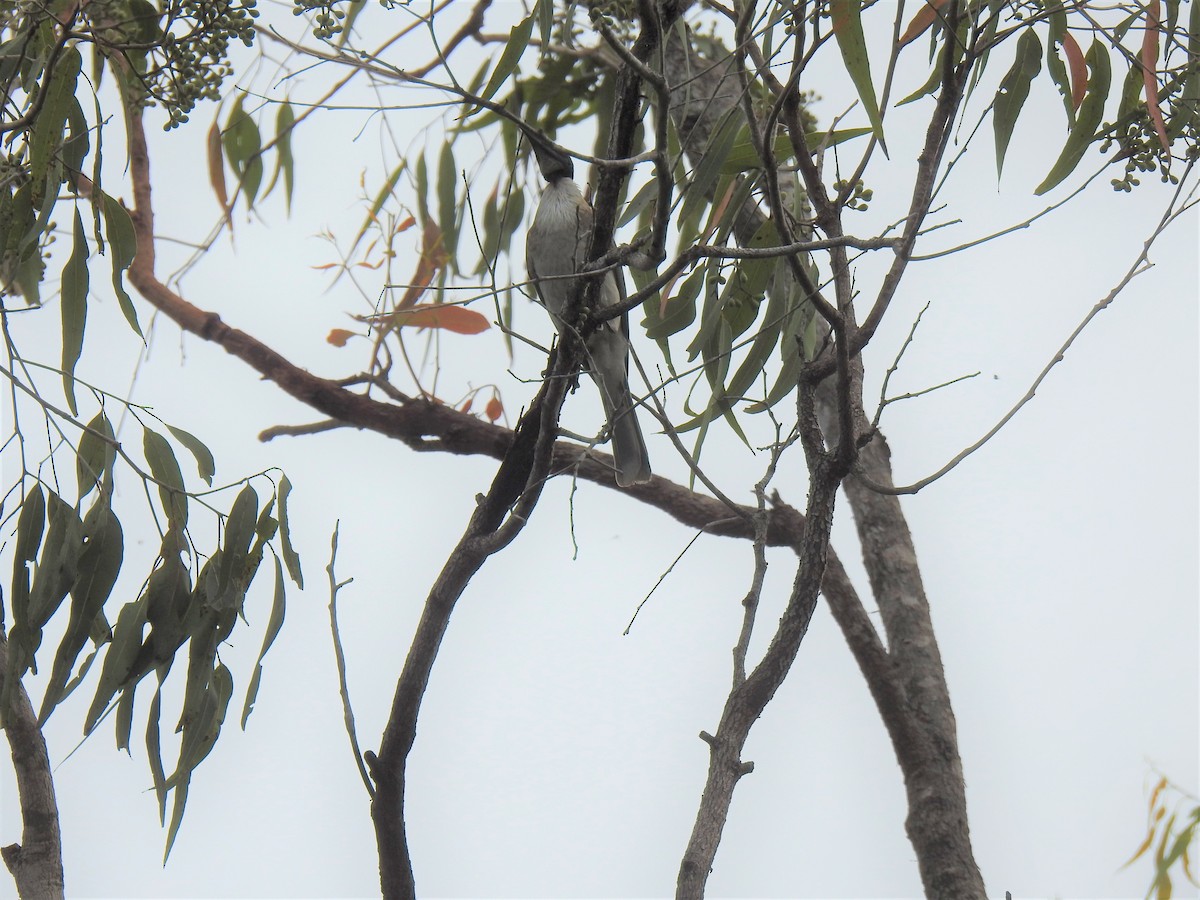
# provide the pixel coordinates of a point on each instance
(36, 862)
(906, 677)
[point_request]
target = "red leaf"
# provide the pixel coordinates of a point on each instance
(920, 23)
(1150, 78)
(458, 319)
(1078, 66)
(495, 409)
(339, 336)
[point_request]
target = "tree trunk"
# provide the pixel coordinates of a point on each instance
(36, 862)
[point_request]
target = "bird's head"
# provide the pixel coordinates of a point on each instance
(553, 162)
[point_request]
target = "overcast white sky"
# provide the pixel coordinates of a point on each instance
(557, 758)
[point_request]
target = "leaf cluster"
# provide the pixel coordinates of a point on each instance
(67, 561)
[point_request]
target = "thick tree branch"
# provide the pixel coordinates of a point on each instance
(36, 862)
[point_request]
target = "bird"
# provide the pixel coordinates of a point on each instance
(555, 249)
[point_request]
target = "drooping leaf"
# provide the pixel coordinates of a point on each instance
(74, 290)
(165, 469)
(75, 148)
(154, 752)
(1014, 90)
(285, 119)
(274, 623)
(122, 242)
(30, 526)
(97, 451)
(290, 557)
(447, 199)
(46, 139)
(708, 170)
(239, 531)
(118, 661)
(848, 30)
(205, 464)
(58, 566)
(243, 149)
(1078, 70)
(1149, 60)
(1091, 113)
(216, 170)
(98, 569)
(510, 58)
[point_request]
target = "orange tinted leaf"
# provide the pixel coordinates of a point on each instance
(325, 266)
(1149, 76)
(495, 409)
(339, 336)
(453, 318)
(920, 23)
(1078, 68)
(466, 407)
(405, 225)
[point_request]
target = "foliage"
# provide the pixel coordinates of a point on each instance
(70, 570)
(1172, 831)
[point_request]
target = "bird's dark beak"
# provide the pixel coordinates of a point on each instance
(553, 162)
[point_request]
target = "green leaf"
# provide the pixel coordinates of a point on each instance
(74, 289)
(154, 752)
(122, 240)
(97, 451)
(165, 469)
(848, 30)
(510, 58)
(46, 139)
(30, 525)
(168, 599)
(447, 199)
(123, 723)
(75, 148)
(205, 463)
(59, 564)
(239, 531)
(680, 310)
(422, 178)
(290, 557)
(1014, 90)
(274, 623)
(284, 161)
(645, 196)
(816, 139)
(119, 660)
(544, 10)
(704, 179)
(243, 149)
(98, 569)
(1091, 114)
(743, 156)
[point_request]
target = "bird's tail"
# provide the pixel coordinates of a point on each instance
(609, 352)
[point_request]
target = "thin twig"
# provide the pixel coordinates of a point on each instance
(340, 656)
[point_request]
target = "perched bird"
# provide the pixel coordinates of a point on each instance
(554, 250)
